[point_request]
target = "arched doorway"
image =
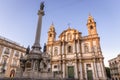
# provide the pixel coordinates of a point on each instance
(12, 73)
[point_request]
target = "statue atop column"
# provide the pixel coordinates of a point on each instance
(42, 6)
(36, 64)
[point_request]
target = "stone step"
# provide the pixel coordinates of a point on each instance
(32, 79)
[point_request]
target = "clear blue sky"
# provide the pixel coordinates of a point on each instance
(18, 20)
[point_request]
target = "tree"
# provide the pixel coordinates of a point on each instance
(108, 72)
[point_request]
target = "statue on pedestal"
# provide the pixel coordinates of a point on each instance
(42, 6)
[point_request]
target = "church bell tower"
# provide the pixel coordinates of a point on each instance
(51, 33)
(91, 25)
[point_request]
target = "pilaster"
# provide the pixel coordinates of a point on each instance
(9, 64)
(1, 50)
(95, 69)
(76, 69)
(64, 69)
(103, 69)
(80, 70)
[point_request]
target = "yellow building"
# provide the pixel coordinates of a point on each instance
(76, 56)
(10, 53)
(115, 68)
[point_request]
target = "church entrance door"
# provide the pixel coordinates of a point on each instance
(89, 75)
(70, 71)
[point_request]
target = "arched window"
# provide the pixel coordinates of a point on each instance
(28, 64)
(50, 35)
(86, 48)
(12, 73)
(91, 27)
(69, 49)
(55, 51)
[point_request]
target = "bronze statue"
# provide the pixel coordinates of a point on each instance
(42, 6)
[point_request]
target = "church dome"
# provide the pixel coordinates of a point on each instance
(69, 34)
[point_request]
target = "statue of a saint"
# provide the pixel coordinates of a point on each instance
(44, 49)
(28, 50)
(42, 6)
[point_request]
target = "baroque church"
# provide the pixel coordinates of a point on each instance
(76, 56)
(71, 56)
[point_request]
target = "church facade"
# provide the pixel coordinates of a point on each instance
(76, 56)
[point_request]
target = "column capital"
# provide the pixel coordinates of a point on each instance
(41, 12)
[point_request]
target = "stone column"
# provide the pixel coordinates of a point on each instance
(36, 46)
(38, 31)
(64, 62)
(76, 62)
(96, 73)
(76, 70)
(61, 59)
(64, 70)
(103, 69)
(81, 72)
(78, 46)
(51, 56)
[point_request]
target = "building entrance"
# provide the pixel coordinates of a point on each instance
(89, 75)
(70, 71)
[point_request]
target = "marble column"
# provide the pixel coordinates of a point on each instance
(36, 46)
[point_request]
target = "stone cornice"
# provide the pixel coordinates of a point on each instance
(90, 37)
(12, 45)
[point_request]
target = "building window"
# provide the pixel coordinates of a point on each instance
(91, 27)
(88, 65)
(69, 49)
(14, 63)
(17, 54)
(55, 66)
(4, 62)
(56, 51)
(21, 55)
(7, 50)
(50, 35)
(86, 48)
(69, 36)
